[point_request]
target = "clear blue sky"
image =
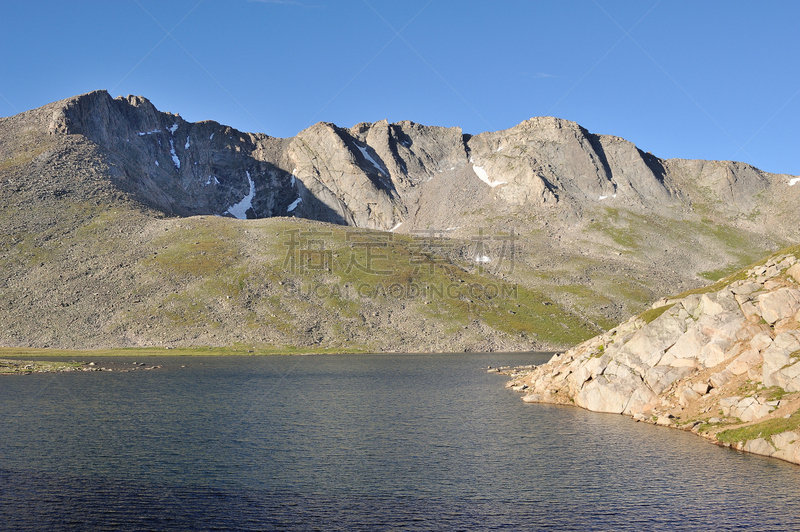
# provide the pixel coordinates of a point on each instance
(709, 79)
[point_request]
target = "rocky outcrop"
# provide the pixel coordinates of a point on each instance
(723, 362)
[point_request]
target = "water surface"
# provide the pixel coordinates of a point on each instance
(356, 442)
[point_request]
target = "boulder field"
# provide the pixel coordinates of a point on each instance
(722, 361)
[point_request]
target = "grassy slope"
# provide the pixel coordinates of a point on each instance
(219, 281)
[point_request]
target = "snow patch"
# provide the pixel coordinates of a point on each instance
(368, 157)
(188, 140)
(395, 227)
(500, 148)
(602, 198)
(294, 172)
(240, 209)
(211, 137)
(142, 134)
(174, 128)
(794, 181)
(156, 163)
(174, 155)
(483, 258)
(294, 205)
(481, 173)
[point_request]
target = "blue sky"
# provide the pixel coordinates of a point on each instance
(707, 80)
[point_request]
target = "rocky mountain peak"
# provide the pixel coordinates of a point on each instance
(407, 176)
(378, 175)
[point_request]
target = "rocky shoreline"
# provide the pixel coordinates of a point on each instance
(30, 367)
(722, 362)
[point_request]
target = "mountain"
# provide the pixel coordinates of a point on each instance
(121, 225)
(722, 361)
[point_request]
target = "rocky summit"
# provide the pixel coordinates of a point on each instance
(122, 225)
(722, 361)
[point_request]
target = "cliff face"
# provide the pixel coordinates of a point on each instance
(179, 167)
(723, 362)
(380, 175)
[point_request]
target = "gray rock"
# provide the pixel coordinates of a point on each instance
(719, 379)
(687, 396)
(794, 272)
(776, 356)
(660, 377)
(650, 342)
(779, 304)
(745, 288)
(533, 398)
(747, 360)
(788, 378)
(727, 403)
(665, 421)
(784, 439)
(759, 446)
(602, 395)
(761, 341)
(642, 401)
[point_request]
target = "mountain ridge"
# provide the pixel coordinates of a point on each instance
(91, 186)
(380, 164)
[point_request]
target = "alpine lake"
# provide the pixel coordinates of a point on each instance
(355, 442)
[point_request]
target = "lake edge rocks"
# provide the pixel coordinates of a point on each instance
(722, 362)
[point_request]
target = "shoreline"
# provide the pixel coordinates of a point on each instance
(200, 351)
(46, 352)
(31, 367)
(722, 362)
(518, 373)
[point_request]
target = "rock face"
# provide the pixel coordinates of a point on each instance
(379, 175)
(716, 362)
(180, 167)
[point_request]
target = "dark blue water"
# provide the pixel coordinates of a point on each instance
(369, 442)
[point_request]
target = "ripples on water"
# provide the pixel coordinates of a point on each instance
(372, 442)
